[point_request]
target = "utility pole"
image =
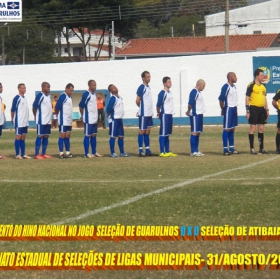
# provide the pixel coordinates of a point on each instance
(3, 49)
(3, 45)
(227, 27)
(193, 30)
(113, 39)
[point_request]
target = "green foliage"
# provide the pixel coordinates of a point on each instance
(182, 26)
(32, 43)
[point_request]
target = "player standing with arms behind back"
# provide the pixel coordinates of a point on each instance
(165, 111)
(89, 111)
(196, 109)
(257, 111)
(228, 103)
(115, 113)
(144, 101)
(42, 110)
(20, 117)
(64, 110)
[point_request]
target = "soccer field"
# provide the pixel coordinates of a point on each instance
(237, 190)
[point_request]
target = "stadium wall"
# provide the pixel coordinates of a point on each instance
(125, 74)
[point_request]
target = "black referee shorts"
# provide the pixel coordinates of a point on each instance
(257, 115)
(278, 124)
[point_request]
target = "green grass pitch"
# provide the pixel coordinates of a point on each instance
(246, 192)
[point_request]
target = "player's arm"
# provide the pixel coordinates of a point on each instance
(59, 103)
(13, 109)
(110, 106)
(160, 101)
(222, 98)
(189, 109)
(275, 99)
(82, 103)
(222, 103)
(139, 95)
(192, 101)
(36, 104)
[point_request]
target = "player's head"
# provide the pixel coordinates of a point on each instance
(231, 76)
(146, 77)
(98, 95)
(258, 75)
(69, 89)
(167, 82)
(92, 85)
(46, 87)
(113, 89)
(1, 87)
(55, 98)
(21, 88)
(200, 85)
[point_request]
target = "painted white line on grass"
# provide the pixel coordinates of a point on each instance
(158, 191)
(131, 181)
(88, 181)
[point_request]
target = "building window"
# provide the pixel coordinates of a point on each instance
(257, 32)
(65, 50)
(77, 51)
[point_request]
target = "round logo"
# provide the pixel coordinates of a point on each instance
(266, 73)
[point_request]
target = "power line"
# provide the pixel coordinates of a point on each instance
(94, 14)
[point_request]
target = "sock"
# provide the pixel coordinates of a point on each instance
(17, 146)
(251, 141)
(37, 145)
(121, 145)
(166, 144)
(67, 144)
(193, 143)
(86, 144)
(197, 143)
(140, 142)
(161, 143)
(147, 143)
(112, 144)
(93, 145)
(260, 137)
(225, 137)
(22, 147)
(45, 145)
(277, 140)
(60, 144)
(231, 140)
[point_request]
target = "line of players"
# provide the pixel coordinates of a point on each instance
(256, 106)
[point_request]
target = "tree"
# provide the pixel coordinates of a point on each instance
(82, 16)
(28, 44)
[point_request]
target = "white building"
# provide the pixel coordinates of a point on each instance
(262, 18)
(76, 46)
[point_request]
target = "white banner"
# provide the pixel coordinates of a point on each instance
(10, 11)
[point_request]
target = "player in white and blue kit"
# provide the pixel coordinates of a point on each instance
(165, 111)
(144, 101)
(228, 103)
(20, 117)
(115, 113)
(196, 109)
(89, 111)
(64, 110)
(42, 110)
